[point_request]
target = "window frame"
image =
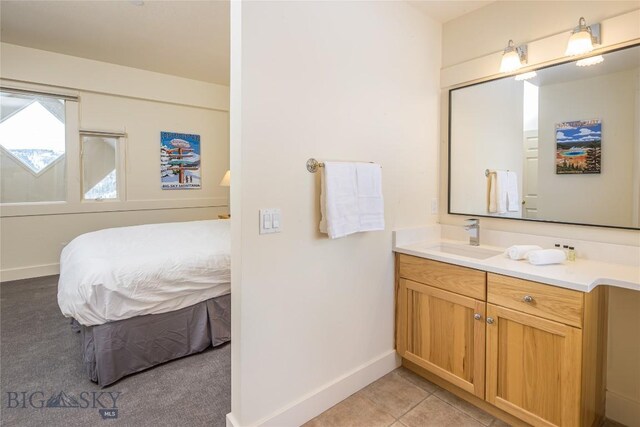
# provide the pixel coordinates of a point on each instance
(120, 164)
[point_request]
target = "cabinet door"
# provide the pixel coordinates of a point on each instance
(437, 330)
(533, 367)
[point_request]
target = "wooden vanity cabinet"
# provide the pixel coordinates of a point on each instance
(536, 352)
(439, 330)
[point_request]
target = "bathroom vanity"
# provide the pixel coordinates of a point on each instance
(523, 342)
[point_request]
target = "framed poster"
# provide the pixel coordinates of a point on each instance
(578, 147)
(179, 161)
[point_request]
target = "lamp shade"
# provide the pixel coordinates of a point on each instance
(513, 57)
(226, 180)
(581, 40)
(579, 43)
(510, 62)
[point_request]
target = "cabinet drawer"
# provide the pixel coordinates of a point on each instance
(549, 302)
(453, 278)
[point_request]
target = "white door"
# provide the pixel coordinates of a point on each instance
(530, 176)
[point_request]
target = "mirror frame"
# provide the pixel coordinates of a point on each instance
(511, 75)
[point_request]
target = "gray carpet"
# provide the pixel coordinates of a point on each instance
(39, 352)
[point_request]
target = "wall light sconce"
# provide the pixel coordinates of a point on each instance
(513, 57)
(582, 39)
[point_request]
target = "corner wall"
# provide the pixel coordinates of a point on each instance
(115, 98)
(313, 317)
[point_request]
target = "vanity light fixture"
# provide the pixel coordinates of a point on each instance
(592, 60)
(582, 39)
(526, 76)
(513, 57)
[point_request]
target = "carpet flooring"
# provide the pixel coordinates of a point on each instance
(40, 353)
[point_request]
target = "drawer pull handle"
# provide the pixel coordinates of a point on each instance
(527, 299)
(490, 320)
(477, 316)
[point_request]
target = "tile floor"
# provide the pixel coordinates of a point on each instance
(403, 399)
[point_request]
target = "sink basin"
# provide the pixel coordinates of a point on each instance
(468, 251)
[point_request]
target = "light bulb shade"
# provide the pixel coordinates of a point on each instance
(226, 180)
(510, 62)
(513, 57)
(579, 43)
(526, 76)
(590, 61)
(583, 37)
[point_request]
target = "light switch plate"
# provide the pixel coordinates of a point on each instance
(270, 220)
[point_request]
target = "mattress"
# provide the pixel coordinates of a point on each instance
(119, 273)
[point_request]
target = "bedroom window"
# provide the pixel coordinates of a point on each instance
(32, 148)
(100, 169)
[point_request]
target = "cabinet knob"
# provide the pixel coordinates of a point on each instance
(527, 298)
(477, 316)
(490, 320)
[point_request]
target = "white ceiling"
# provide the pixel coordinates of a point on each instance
(180, 37)
(443, 11)
(183, 38)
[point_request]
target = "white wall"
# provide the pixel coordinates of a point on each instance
(604, 198)
(116, 98)
(545, 27)
(331, 80)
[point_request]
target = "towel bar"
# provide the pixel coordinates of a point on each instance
(487, 172)
(313, 165)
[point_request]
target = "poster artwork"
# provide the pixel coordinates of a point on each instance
(578, 147)
(179, 161)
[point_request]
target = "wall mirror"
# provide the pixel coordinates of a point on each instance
(560, 146)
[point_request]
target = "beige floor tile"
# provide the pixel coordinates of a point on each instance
(500, 423)
(466, 407)
(355, 411)
(394, 394)
(397, 424)
(427, 386)
(433, 412)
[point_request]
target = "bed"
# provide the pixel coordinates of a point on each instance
(147, 294)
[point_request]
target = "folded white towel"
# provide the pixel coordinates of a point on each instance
(513, 201)
(501, 192)
(350, 198)
(370, 200)
(546, 256)
(521, 251)
(493, 197)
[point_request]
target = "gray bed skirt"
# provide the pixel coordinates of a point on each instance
(117, 349)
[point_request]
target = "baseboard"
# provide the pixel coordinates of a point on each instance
(231, 421)
(623, 410)
(10, 274)
(323, 398)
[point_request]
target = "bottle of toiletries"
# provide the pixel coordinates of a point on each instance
(557, 246)
(565, 248)
(572, 254)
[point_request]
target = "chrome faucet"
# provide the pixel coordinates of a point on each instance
(474, 231)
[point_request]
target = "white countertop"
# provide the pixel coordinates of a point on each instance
(581, 275)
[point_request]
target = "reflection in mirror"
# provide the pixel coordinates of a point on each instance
(562, 145)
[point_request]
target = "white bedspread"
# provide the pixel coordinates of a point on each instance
(119, 273)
